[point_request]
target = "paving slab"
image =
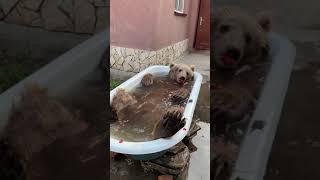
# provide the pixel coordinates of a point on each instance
(200, 160)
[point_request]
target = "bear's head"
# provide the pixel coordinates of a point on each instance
(181, 73)
(122, 99)
(239, 38)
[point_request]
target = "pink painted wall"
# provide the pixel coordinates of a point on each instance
(132, 23)
(150, 24)
(170, 28)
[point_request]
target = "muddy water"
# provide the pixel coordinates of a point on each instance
(136, 123)
(81, 156)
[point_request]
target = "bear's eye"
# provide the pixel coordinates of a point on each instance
(180, 70)
(248, 38)
(187, 74)
(224, 29)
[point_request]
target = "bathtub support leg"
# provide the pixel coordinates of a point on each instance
(188, 139)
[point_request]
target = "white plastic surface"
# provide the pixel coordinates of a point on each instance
(161, 144)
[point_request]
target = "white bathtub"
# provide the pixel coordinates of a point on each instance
(154, 146)
(256, 146)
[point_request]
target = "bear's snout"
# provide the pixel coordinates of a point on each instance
(181, 79)
(231, 57)
(181, 73)
(234, 53)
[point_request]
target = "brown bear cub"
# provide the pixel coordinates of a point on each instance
(239, 38)
(122, 100)
(179, 73)
(36, 122)
(230, 106)
(172, 121)
(240, 41)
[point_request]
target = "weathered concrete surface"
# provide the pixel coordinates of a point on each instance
(200, 162)
(295, 152)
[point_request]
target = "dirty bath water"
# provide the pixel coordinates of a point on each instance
(136, 123)
(80, 156)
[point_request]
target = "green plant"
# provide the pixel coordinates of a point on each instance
(114, 84)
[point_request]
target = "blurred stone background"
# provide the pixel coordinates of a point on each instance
(77, 16)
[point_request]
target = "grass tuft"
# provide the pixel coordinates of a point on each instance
(114, 84)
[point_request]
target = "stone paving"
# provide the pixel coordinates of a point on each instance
(77, 16)
(135, 60)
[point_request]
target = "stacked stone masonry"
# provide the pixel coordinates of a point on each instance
(135, 60)
(75, 16)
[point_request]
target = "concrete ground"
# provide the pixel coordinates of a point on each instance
(295, 152)
(200, 162)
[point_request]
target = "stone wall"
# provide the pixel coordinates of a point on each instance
(76, 16)
(135, 60)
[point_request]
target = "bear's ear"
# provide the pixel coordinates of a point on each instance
(264, 20)
(192, 67)
(171, 65)
(221, 13)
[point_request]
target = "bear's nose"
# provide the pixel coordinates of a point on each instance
(182, 78)
(234, 53)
